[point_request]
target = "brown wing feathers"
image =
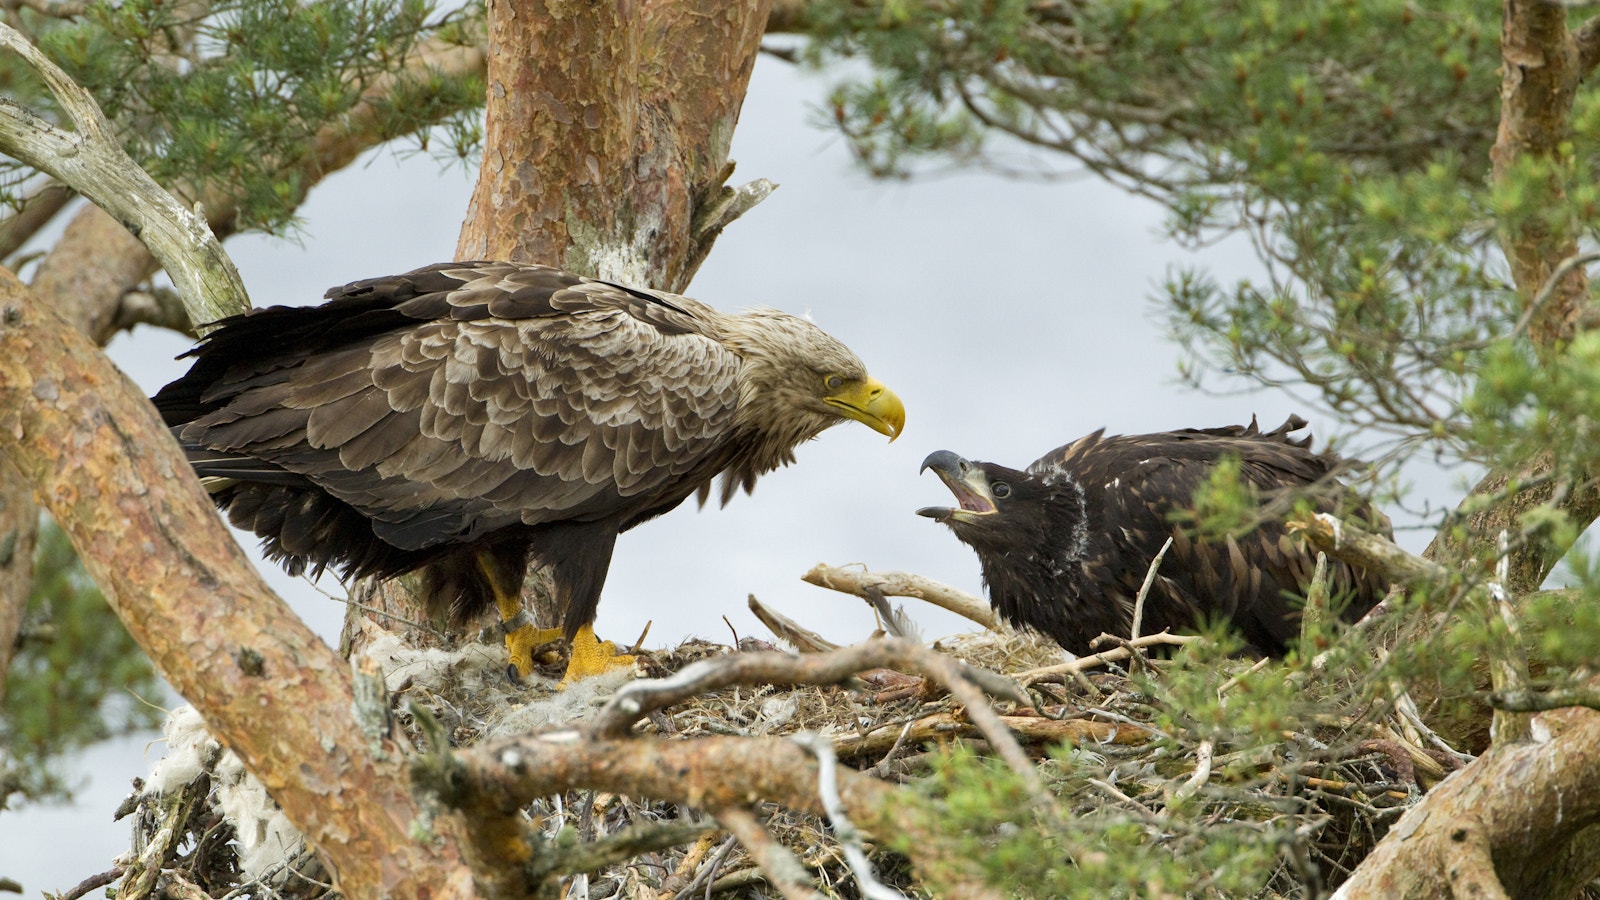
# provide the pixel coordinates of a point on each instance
(414, 414)
(1067, 547)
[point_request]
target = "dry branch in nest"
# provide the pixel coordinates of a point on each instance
(873, 587)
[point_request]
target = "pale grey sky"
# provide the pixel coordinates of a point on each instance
(1010, 317)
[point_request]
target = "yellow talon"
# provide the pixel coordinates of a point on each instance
(592, 656)
(521, 641)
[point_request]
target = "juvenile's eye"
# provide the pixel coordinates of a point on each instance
(834, 382)
(1000, 490)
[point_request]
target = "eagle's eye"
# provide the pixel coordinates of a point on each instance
(834, 382)
(1000, 490)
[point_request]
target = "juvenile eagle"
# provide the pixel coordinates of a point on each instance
(1066, 544)
(466, 417)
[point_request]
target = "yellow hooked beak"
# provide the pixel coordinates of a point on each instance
(873, 405)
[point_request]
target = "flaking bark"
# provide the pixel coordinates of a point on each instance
(608, 127)
(102, 463)
(717, 773)
(96, 263)
(1522, 819)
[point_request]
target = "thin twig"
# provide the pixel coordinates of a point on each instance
(783, 869)
(1144, 589)
(1105, 657)
(91, 883)
(1196, 781)
(849, 838)
(707, 872)
(1548, 289)
(1233, 682)
(623, 845)
(801, 638)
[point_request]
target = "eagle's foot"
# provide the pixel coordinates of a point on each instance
(592, 656)
(521, 642)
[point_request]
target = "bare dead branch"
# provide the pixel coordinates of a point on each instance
(1032, 729)
(621, 846)
(1198, 779)
(93, 882)
(802, 638)
(783, 869)
(36, 211)
(1346, 542)
(636, 699)
(93, 163)
(713, 773)
(1528, 701)
(1104, 657)
(1144, 589)
(860, 582)
(849, 838)
(966, 683)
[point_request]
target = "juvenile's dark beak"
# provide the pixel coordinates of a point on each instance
(966, 480)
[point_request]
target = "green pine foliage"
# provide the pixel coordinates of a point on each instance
(234, 97)
(77, 678)
(1132, 822)
(1349, 142)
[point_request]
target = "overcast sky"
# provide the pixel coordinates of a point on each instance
(1011, 317)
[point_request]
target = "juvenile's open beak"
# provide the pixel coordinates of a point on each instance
(966, 480)
(873, 405)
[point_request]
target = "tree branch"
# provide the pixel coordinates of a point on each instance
(864, 584)
(1372, 552)
(37, 210)
(1524, 700)
(92, 162)
(637, 699)
(1531, 803)
(715, 773)
(623, 846)
(93, 450)
(782, 868)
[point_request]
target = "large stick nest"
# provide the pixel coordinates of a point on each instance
(1125, 759)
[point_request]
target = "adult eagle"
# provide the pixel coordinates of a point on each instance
(466, 417)
(1066, 544)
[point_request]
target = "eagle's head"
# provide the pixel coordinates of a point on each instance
(794, 381)
(1029, 529)
(797, 379)
(1027, 518)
